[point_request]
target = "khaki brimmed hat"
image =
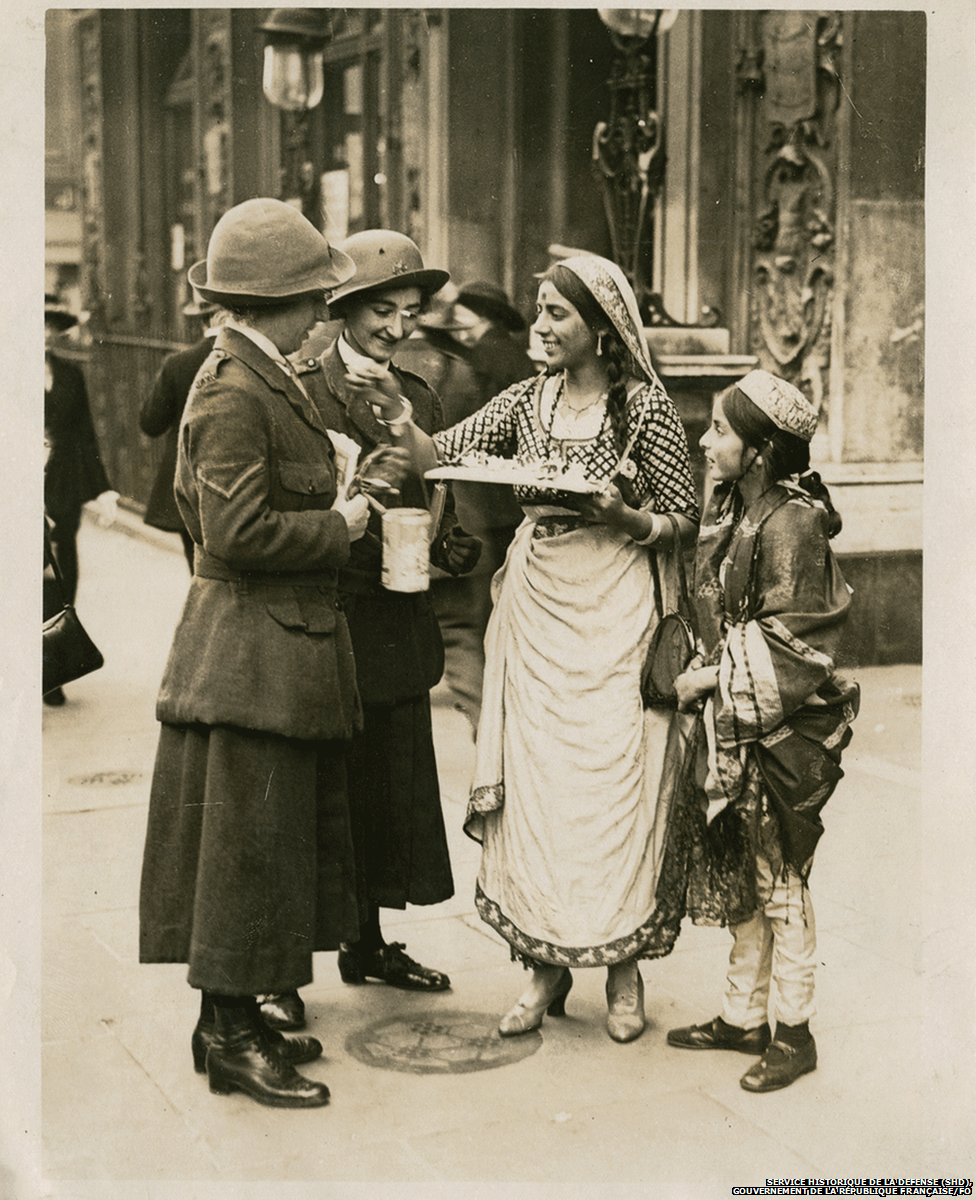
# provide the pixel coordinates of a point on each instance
(385, 259)
(264, 252)
(785, 405)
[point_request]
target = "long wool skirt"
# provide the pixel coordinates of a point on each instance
(395, 803)
(248, 864)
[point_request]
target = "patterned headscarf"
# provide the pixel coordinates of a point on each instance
(610, 289)
(785, 405)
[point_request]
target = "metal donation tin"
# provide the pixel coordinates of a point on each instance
(406, 550)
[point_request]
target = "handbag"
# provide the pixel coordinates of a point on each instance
(69, 653)
(674, 640)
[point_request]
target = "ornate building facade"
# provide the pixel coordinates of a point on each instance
(764, 183)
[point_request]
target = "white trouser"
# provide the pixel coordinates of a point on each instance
(779, 942)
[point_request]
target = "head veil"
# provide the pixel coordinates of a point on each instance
(610, 289)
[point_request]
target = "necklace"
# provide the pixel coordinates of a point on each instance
(561, 400)
(564, 411)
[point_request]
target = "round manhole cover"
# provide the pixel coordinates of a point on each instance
(105, 778)
(445, 1044)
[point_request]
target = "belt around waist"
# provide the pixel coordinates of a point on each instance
(207, 566)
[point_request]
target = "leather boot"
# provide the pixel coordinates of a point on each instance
(240, 1059)
(293, 1050)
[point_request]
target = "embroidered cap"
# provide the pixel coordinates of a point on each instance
(785, 405)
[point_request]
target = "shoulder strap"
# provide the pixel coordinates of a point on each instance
(683, 604)
(52, 562)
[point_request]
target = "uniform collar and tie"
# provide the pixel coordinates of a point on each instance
(267, 346)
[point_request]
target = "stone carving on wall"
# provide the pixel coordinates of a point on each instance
(794, 228)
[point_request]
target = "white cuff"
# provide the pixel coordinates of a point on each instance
(657, 527)
(405, 417)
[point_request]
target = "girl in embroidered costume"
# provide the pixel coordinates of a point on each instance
(772, 606)
(568, 768)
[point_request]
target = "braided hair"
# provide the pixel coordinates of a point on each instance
(784, 453)
(618, 361)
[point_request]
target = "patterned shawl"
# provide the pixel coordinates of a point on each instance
(772, 605)
(615, 296)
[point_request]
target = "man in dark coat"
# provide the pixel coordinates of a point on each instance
(160, 417)
(74, 473)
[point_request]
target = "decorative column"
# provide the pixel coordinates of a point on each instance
(792, 73)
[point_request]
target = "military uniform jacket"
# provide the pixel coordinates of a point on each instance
(397, 641)
(262, 642)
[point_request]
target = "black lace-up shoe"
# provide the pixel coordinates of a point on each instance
(251, 1067)
(390, 965)
(286, 1010)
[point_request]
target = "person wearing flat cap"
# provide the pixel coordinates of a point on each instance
(398, 826)
(248, 865)
(160, 415)
(74, 473)
(772, 606)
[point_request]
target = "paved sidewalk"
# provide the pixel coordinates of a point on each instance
(121, 1102)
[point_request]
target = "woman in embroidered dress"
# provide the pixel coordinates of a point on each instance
(568, 767)
(772, 605)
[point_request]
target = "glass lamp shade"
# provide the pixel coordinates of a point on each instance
(294, 77)
(637, 23)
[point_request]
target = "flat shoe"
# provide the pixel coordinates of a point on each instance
(717, 1035)
(390, 965)
(780, 1066)
(285, 1010)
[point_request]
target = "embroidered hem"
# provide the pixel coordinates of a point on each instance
(654, 939)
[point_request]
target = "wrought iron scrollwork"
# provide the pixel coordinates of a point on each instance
(629, 160)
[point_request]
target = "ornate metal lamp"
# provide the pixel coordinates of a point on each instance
(628, 149)
(294, 81)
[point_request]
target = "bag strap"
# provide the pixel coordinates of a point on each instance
(52, 562)
(684, 604)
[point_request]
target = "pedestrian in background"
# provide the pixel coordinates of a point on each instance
(568, 766)
(484, 323)
(248, 865)
(160, 417)
(772, 605)
(74, 472)
(398, 826)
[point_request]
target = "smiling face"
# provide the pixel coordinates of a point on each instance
(567, 340)
(378, 324)
(724, 449)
